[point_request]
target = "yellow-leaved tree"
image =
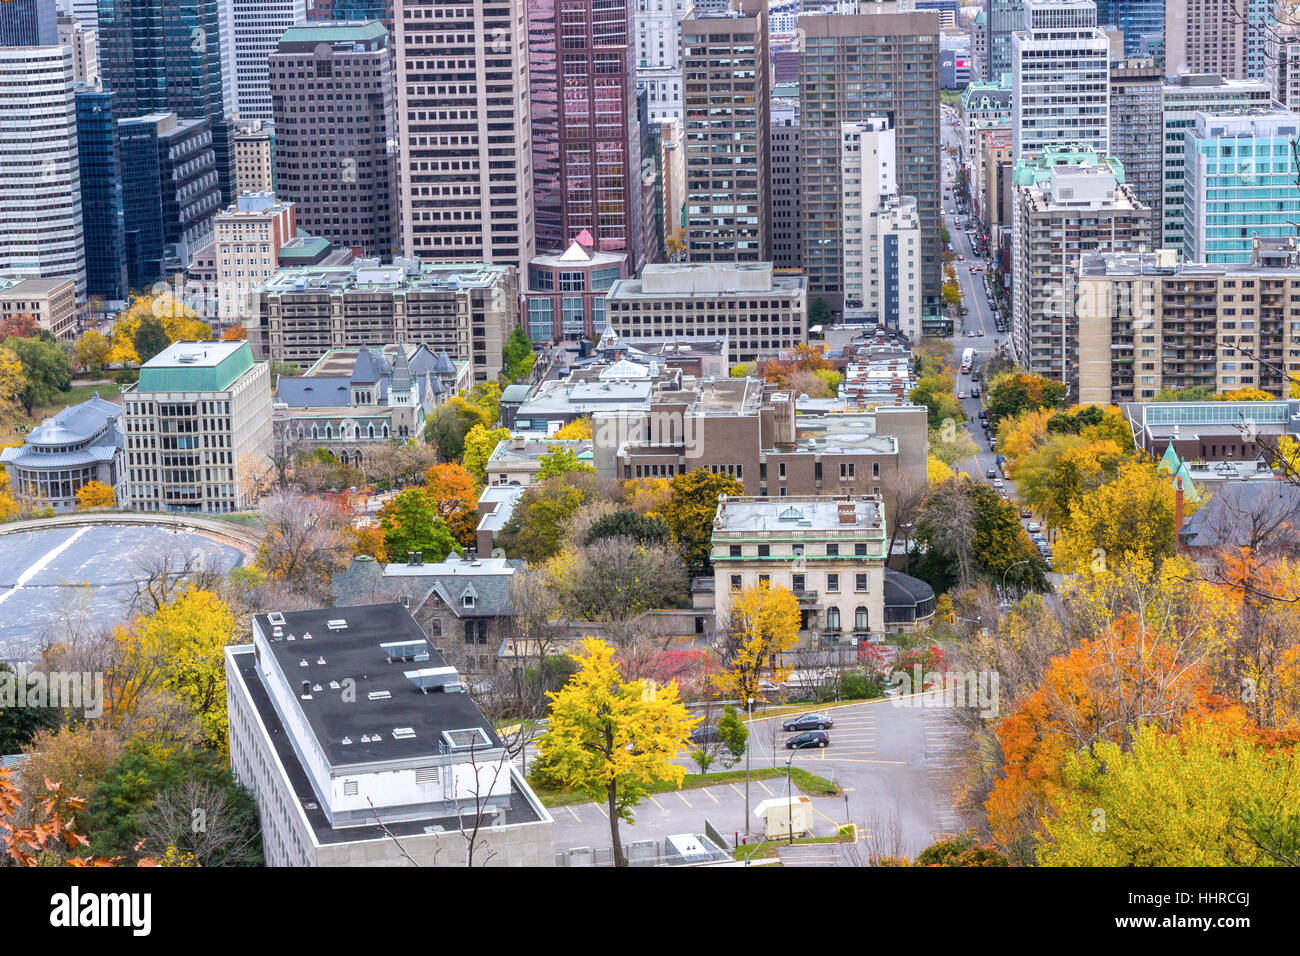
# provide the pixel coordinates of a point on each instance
(95, 494)
(180, 648)
(577, 429)
(764, 626)
(480, 442)
(612, 739)
(936, 471)
(1129, 517)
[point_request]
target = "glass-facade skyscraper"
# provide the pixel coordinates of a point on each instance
(165, 56)
(103, 220)
(29, 23)
(1137, 18)
(1004, 17)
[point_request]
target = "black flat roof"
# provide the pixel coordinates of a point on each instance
(520, 809)
(339, 710)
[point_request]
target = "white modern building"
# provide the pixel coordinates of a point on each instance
(363, 747)
(882, 231)
(84, 43)
(40, 185)
(1060, 78)
(195, 422)
(1181, 98)
(659, 54)
(249, 235)
(258, 25)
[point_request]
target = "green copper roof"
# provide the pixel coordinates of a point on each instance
(1170, 460)
(196, 367)
(981, 19)
(1037, 169)
(334, 32)
(1189, 488)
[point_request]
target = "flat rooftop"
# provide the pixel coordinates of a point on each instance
(373, 727)
(802, 514)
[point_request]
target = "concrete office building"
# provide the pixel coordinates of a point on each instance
(1239, 182)
(979, 47)
(726, 111)
(254, 161)
(1148, 323)
(1181, 99)
(954, 60)
(467, 311)
(465, 132)
(882, 232)
(85, 12)
(51, 302)
(333, 102)
(1208, 36)
(672, 166)
(412, 749)
(658, 54)
(787, 190)
(758, 311)
(41, 233)
(198, 417)
(587, 173)
(85, 49)
(900, 51)
(1067, 203)
(1060, 67)
(249, 237)
(565, 299)
(1282, 57)
(996, 166)
(258, 26)
(1137, 127)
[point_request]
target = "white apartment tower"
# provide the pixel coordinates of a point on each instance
(659, 54)
(40, 188)
(882, 231)
(1060, 76)
(465, 132)
(249, 234)
(258, 25)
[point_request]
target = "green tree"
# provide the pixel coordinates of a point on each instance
(692, 506)
(629, 524)
(18, 725)
(819, 313)
(517, 355)
(733, 732)
(560, 461)
(147, 781)
(536, 528)
(150, 338)
(480, 443)
(411, 523)
(613, 740)
(1014, 392)
(447, 429)
(936, 394)
(280, 370)
(46, 371)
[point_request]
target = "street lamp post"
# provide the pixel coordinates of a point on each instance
(749, 749)
(1008, 568)
(789, 810)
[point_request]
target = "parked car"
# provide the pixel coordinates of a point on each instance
(809, 738)
(1033, 526)
(999, 483)
(808, 722)
(990, 474)
(975, 391)
(1026, 513)
(984, 415)
(961, 395)
(705, 734)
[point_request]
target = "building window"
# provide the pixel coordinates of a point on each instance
(861, 619)
(832, 582)
(764, 550)
(832, 619)
(798, 583)
(860, 582)
(765, 580)
(735, 582)
(832, 550)
(860, 550)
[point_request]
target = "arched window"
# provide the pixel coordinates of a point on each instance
(370, 431)
(861, 619)
(832, 619)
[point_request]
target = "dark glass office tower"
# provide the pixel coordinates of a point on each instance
(1004, 17)
(29, 23)
(1137, 18)
(341, 11)
(164, 56)
(103, 222)
(141, 202)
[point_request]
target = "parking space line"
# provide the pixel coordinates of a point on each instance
(602, 810)
(764, 786)
(654, 801)
(711, 796)
(575, 814)
(684, 800)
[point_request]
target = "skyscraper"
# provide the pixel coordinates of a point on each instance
(343, 11)
(40, 190)
(1210, 36)
(29, 23)
(332, 98)
(726, 104)
(1137, 128)
(465, 132)
(658, 54)
(258, 26)
(1004, 18)
(1137, 18)
(586, 138)
(855, 66)
(141, 202)
(102, 212)
(1060, 79)
(172, 56)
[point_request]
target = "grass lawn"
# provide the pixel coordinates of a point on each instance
(803, 780)
(247, 519)
(767, 850)
(109, 391)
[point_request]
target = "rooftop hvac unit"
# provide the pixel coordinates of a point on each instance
(434, 678)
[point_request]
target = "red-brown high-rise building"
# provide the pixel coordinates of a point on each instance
(586, 140)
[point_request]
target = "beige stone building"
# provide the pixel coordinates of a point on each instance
(464, 131)
(1206, 36)
(84, 44)
(51, 302)
(196, 423)
(249, 236)
(1147, 323)
(994, 178)
(254, 161)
